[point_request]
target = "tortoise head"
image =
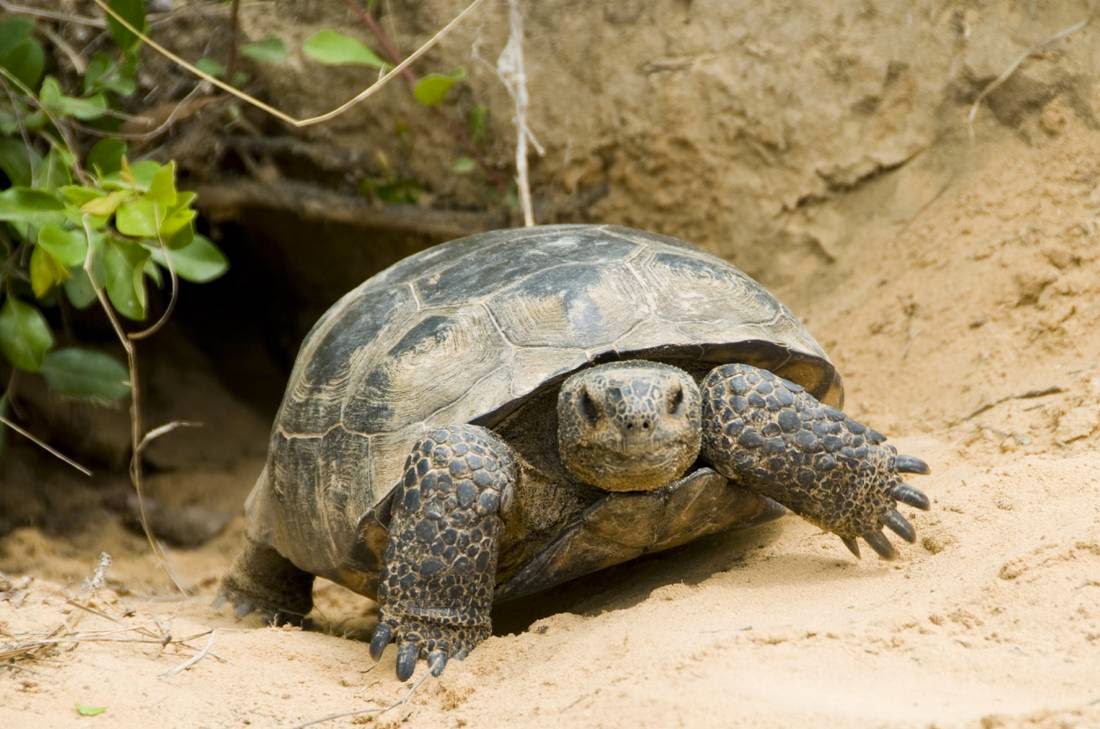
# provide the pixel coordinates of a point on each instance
(629, 426)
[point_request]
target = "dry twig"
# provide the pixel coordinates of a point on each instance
(52, 451)
(1007, 73)
(1042, 392)
(136, 435)
(513, 75)
(283, 116)
(186, 665)
(377, 710)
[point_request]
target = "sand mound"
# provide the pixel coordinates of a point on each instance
(967, 331)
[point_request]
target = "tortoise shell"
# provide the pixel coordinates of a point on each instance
(466, 332)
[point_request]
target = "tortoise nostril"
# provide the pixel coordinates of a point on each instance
(588, 407)
(676, 400)
(645, 425)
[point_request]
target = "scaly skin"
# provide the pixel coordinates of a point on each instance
(769, 435)
(263, 581)
(436, 588)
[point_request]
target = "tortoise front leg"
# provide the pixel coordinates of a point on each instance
(440, 565)
(769, 435)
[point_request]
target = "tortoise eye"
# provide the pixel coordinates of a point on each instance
(588, 407)
(676, 400)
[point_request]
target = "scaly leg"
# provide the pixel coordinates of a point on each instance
(264, 581)
(771, 436)
(437, 583)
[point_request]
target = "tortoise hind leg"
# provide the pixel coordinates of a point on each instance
(264, 581)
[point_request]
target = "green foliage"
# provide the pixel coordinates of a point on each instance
(24, 335)
(431, 90)
(478, 122)
(90, 710)
(123, 222)
(392, 191)
(134, 13)
(20, 52)
(269, 50)
(337, 49)
(210, 66)
(85, 374)
(463, 165)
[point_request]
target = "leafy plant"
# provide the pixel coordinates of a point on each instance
(72, 232)
(337, 49)
(432, 88)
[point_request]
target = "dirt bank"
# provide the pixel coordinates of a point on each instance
(969, 335)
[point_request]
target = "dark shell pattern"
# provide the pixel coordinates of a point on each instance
(466, 331)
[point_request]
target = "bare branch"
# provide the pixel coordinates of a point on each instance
(165, 430)
(513, 75)
(282, 116)
(186, 665)
(52, 451)
(136, 476)
(144, 333)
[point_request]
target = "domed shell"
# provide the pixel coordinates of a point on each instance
(465, 331)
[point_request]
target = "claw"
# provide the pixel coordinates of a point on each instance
(242, 608)
(461, 655)
(437, 660)
(880, 544)
(909, 464)
(898, 525)
(406, 660)
(852, 545)
(219, 601)
(906, 494)
(381, 638)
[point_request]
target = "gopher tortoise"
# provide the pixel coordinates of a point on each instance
(511, 410)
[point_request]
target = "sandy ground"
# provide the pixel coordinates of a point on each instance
(968, 331)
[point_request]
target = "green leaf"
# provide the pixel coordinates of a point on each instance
(25, 204)
(152, 270)
(133, 11)
(479, 120)
(463, 166)
(78, 194)
(337, 49)
(67, 246)
(105, 206)
(24, 335)
(122, 270)
(199, 262)
(13, 31)
(106, 156)
(162, 187)
(86, 374)
(138, 218)
(78, 288)
(432, 89)
(143, 173)
(55, 169)
(393, 192)
(90, 710)
(105, 73)
(57, 102)
(26, 61)
(269, 50)
(45, 271)
(17, 160)
(210, 66)
(177, 229)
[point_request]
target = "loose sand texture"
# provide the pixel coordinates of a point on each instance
(966, 327)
